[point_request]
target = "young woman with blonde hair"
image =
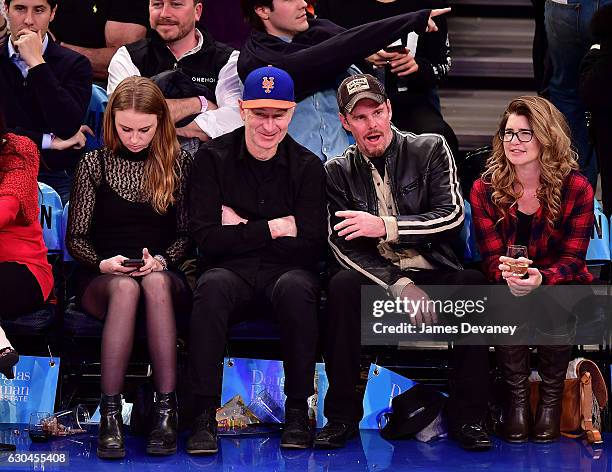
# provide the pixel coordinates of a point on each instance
(532, 195)
(127, 228)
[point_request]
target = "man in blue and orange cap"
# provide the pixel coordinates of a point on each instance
(257, 214)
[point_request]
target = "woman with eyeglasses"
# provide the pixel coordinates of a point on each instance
(532, 195)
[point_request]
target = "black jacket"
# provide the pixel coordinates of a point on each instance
(152, 56)
(316, 57)
(222, 174)
(433, 51)
(427, 194)
(53, 98)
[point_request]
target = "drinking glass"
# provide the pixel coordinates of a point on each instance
(37, 429)
(67, 422)
(518, 268)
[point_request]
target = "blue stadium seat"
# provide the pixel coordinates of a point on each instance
(38, 322)
(67, 256)
(79, 324)
(599, 246)
(94, 117)
(470, 253)
(51, 215)
(255, 330)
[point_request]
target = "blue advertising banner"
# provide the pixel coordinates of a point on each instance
(33, 389)
(382, 386)
(260, 383)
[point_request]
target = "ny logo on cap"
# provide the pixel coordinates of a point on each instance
(357, 85)
(268, 84)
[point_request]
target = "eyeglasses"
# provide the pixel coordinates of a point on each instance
(524, 136)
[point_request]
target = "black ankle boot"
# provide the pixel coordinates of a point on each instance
(162, 439)
(110, 434)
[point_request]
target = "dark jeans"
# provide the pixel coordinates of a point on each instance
(220, 299)
(470, 366)
(569, 39)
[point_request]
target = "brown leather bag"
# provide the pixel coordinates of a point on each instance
(577, 403)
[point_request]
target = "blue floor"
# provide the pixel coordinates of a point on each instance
(369, 452)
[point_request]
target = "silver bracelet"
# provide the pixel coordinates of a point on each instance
(162, 260)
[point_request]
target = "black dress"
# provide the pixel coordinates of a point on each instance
(111, 215)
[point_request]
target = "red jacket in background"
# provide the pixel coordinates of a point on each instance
(21, 238)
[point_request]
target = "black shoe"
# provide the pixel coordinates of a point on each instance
(296, 433)
(203, 439)
(8, 358)
(472, 437)
(162, 438)
(335, 434)
(110, 434)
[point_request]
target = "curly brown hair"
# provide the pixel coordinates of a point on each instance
(557, 158)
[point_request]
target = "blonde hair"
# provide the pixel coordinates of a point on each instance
(160, 178)
(557, 158)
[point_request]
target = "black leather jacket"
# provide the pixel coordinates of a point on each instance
(424, 184)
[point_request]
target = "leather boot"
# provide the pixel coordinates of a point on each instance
(162, 438)
(514, 364)
(110, 434)
(552, 366)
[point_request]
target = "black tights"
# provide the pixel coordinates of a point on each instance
(115, 299)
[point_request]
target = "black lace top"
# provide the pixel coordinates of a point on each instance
(110, 213)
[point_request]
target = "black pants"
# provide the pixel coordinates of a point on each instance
(20, 292)
(218, 300)
(470, 366)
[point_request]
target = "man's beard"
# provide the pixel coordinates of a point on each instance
(377, 152)
(180, 34)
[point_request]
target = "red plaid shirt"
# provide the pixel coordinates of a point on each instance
(559, 253)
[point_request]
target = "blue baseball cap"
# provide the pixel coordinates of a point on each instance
(268, 87)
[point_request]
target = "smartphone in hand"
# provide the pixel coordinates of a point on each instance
(395, 48)
(136, 263)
